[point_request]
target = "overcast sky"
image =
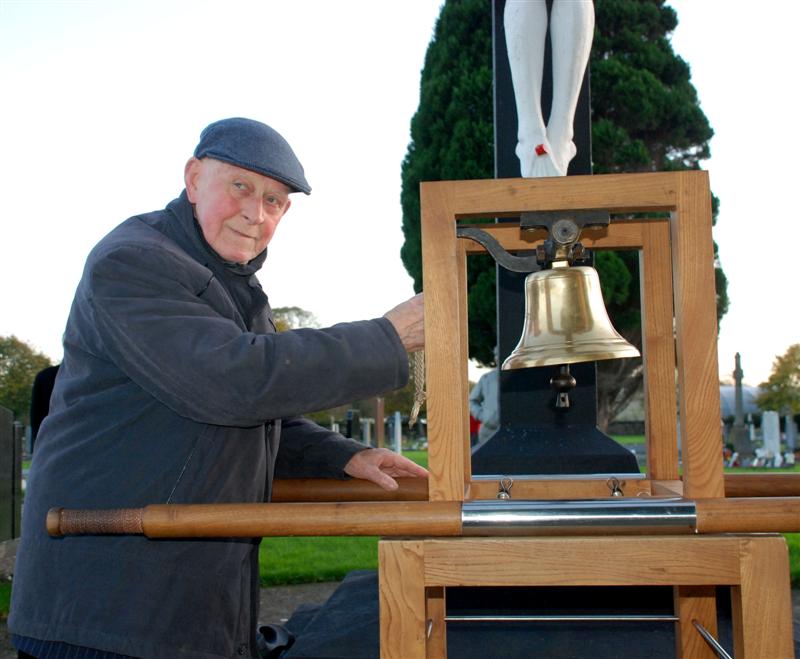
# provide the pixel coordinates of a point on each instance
(103, 102)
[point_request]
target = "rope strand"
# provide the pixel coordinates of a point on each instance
(419, 386)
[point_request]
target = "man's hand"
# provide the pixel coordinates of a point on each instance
(407, 319)
(379, 465)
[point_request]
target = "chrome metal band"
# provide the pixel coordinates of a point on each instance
(621, 515)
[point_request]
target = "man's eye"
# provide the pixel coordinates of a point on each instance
(275, 202)
(239, 185)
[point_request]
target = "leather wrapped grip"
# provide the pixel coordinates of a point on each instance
(126, 521)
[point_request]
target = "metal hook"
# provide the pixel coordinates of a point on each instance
(506, 483)
(615, 485)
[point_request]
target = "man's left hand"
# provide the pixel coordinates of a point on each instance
(379, 465)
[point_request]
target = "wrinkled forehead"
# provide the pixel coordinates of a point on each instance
(223, 170)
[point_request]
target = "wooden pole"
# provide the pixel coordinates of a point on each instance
(389, 518)
(252, 520)
(762, 485)
(295, 490)
(749, 515)
(416, 489)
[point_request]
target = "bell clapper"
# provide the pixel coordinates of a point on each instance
(562, 382)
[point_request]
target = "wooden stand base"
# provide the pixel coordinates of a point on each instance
(414, 576)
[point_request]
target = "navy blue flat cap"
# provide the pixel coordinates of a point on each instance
(255, 146)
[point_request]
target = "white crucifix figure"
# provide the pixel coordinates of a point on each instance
(547, 150)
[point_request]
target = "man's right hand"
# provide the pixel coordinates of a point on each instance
(408, 321)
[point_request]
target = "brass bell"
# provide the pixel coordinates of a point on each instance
(566, 321)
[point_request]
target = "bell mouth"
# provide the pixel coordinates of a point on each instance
(566, 321)
(564, 353)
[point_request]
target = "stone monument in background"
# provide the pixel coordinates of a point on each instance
(739, 433)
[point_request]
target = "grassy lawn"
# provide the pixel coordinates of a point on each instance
(5, 598)
(306, 560)
(629, 439)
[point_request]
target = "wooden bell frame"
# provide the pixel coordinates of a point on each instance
(677, 279)
(679, 328)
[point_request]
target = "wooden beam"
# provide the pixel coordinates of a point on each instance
(696, 337)
(447, 426)
(401, 594)
(582, 561)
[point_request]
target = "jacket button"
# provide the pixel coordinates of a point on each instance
(241, 650)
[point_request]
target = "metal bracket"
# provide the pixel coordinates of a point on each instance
(499, 254)
(597, 217)
(563, 231)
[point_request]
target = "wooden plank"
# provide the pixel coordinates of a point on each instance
(619, 193)
(531, 488)
(436, 628)
(695, 603)
(446, 391)
(658, 352)
(401, 595)
(673, 488)
(696, 337)
(464, 348)
(762, 603)
(581, 561)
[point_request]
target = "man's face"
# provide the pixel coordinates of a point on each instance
(238, 210)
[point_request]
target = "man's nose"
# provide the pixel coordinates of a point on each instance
(254, 212)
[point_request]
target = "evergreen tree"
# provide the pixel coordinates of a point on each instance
(452, 137)
(645, 117)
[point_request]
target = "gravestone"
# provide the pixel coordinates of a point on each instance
(791, 433)
(740, 437)
(771, 433)
(10, 475)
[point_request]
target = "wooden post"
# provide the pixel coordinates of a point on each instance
(380, 428)
(694, 603)
(658, 352)
(401, 591)
(696, 337)
(762, 601)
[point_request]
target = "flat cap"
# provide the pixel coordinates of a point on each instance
(255, 146)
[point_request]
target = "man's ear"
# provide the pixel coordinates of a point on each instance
(190, 174)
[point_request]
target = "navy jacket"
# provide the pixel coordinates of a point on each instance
(175, 388)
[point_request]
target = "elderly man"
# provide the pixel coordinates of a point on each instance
(175, 388)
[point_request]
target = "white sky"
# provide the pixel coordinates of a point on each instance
(103, 101)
